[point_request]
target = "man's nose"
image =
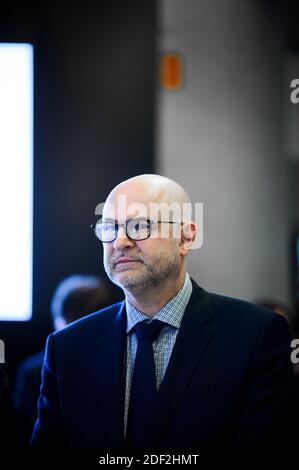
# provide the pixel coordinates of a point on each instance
(122, 240)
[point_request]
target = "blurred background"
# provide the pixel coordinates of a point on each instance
(198, 91)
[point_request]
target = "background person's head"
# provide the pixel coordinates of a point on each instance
(136, 265)
(77, 296)
(277, 307)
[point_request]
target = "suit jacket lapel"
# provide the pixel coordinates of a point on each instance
(196, 331)
(109, 354)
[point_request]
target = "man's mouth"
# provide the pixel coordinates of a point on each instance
(125, 260)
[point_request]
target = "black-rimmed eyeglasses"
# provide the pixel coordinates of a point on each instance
(136, 229)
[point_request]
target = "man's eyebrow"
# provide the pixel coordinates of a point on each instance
(107, 219)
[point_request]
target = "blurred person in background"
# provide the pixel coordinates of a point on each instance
(284, 311)
(277, 307)
(75, 297)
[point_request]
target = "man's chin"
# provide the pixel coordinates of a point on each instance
(127, 280)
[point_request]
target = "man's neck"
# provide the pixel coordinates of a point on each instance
(150, 302)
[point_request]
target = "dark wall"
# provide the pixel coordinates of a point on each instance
(293, 20)
(94, 99)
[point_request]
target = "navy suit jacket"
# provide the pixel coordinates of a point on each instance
(228, 382)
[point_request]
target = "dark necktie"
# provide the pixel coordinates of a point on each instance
(144, 387)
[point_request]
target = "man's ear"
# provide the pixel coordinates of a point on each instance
(188, 234)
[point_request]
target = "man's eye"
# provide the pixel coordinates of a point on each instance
(140, 225)
(136, 226)
(109, 227)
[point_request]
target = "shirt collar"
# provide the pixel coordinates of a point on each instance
(172, 313)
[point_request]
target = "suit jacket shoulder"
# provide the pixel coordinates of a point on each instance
(91, 326)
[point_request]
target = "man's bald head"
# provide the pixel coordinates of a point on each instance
(148, 190)
(154, 188)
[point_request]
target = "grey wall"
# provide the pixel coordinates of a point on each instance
(292, 110)
(292, 138)
(222, 138)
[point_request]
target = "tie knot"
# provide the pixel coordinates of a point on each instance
(149, 331)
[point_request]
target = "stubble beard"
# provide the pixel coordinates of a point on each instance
(150, 275)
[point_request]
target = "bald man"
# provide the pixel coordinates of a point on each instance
(172, 366)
